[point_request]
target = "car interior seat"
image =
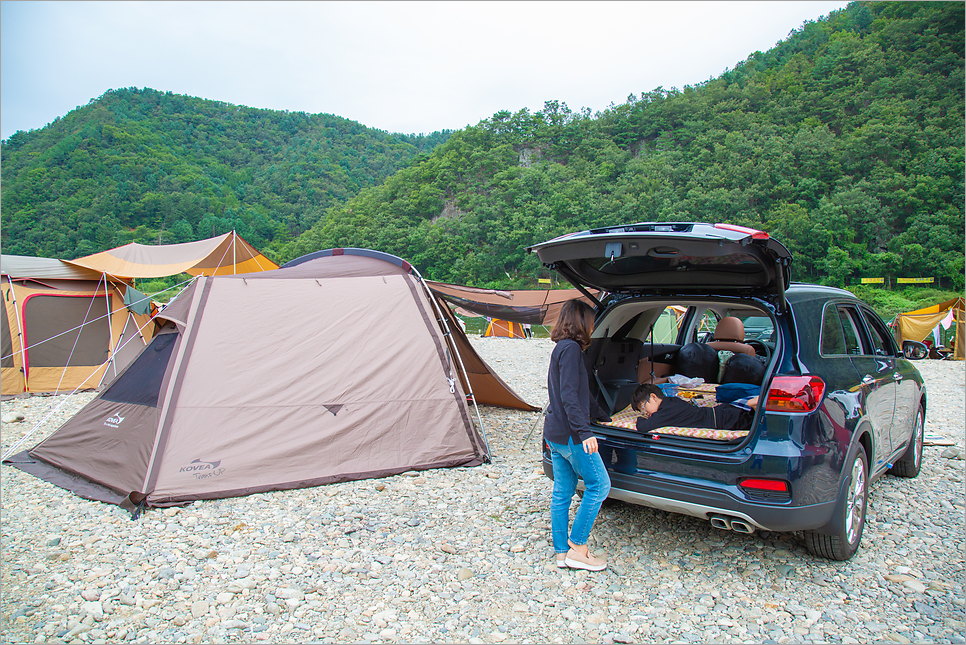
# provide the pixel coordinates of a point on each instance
(729, 335)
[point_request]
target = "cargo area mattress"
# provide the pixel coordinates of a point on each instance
(703, 396)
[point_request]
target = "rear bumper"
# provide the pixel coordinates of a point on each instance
(703, 502)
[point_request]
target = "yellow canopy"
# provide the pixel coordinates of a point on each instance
(226, 254)
(918, 324)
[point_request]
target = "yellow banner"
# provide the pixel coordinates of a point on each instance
(914, 280)
(873, 280)
(543, 280)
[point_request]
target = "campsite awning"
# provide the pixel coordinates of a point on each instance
(918, 324)
(226, 254)
(535, 307)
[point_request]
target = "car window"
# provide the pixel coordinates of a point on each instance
(705, 330)
(840, 331)
(881, 339)
(666, 325)
(758, 328)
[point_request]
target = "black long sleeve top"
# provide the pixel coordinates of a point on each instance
(568, 416)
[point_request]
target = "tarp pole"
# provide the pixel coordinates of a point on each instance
(234, 261)
(20, 335)
(459, 359)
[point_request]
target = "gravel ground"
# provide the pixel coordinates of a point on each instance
(463, 555)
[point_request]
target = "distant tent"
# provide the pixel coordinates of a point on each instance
(226, 254)
(527, 306)
(919, 324)
(65, 327)
(337, 370)
(504, 329)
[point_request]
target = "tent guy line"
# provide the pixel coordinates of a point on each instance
(53, 409)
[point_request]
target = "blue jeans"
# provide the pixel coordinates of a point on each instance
(569, 463)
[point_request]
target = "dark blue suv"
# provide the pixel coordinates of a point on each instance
(839, 403)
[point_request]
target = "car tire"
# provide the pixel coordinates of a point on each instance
(910, 462)
(843, 544)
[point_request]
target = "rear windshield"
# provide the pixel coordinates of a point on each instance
(638, 264)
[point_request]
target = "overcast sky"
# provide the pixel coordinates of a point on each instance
(411, 67)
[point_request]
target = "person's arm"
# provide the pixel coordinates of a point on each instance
(651, 423)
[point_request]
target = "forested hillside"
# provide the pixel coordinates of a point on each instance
(845, 141)
(150, 167)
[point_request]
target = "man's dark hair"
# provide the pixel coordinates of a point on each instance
(643, 393)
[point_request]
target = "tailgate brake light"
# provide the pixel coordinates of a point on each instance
(753, 232)
(795, 394)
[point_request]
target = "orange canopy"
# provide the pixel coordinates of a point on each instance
(226, 254)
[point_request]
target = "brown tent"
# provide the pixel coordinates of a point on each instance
(226, 254)
(528, 306)
(338, 370)
(65, 328)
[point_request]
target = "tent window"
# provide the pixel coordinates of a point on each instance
(141, 383)
(6, 343)
(47, 316)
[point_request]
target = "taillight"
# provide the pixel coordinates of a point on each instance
(795, 394)
(772, 485)
(769, 489)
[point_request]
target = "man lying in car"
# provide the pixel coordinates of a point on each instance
(661, 411)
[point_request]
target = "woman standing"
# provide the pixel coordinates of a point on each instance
(573, 446)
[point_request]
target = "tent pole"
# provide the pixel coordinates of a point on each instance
(110, 330)
(234, 241)
(442, 321)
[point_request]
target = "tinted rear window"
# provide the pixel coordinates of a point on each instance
(636, 264)
(840, 331)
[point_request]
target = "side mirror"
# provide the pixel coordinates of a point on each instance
(914, 350)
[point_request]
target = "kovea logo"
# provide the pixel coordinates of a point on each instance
(203, 469)
(114, 421)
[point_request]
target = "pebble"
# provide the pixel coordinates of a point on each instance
(464, 555)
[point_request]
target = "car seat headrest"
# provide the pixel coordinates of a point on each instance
(730, 328)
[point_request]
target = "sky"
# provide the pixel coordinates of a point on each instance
(408, 67)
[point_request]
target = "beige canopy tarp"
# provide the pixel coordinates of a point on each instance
(226, 254)
(919, 324)
(530, 306)
(324, 378)
(64, 328)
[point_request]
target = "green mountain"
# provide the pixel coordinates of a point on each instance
(154, 167)
(845, 141)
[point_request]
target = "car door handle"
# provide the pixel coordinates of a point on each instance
(868, 379)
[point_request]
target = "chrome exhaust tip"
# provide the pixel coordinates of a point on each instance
(741, 527)
(720, 522)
